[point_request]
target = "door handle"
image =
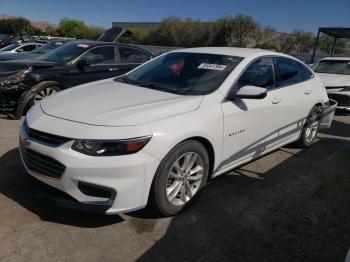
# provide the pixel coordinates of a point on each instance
(307, 91)
(113, 69)
(276, 100)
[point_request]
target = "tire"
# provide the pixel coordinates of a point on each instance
(43, 92)
(171, 177)
(310, 129)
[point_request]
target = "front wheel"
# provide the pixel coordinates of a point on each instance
(44, 92)
(180, 176)
(310, 129)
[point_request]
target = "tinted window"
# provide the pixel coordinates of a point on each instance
(100, 55)
(28, 48)
(305, 72)
(65, 53)
(259, 73)
(341, 67)
(132, 55)
(184, 73)
(287, 72)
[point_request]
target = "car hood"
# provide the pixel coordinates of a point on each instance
(334, 79)
(8, 67)
(109, 103)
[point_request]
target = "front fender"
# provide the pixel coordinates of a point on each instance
(29, 94)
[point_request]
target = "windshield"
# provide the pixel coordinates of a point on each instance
(9, 47)
(341, 67)
(47, 47)
(65, 53)
(184, 73)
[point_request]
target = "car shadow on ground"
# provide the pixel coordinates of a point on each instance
(297, 211)
(13, 186)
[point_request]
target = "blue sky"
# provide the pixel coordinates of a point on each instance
(281, 14)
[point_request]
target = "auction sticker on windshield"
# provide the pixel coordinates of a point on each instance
(212, 66)
(83, 46)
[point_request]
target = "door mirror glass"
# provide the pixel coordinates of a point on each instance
(251, 92)
(83, 62)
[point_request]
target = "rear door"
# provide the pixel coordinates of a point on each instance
(294, 94)
(102, 64)
(129, 58)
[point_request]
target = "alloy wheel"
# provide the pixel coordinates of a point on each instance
(311, 128)
(46, 92)
(184, 178)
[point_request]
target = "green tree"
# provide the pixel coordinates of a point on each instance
(303, 41)
(17, 26)
(239, 31)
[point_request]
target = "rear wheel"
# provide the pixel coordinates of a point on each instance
(310, 129)
(180, 176)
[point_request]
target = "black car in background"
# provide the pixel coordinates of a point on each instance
(25, 82)
(35, 53)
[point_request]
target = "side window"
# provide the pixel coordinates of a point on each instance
(305, 72)
(288, 72)
(28, 48)
(132, 55)
(100, 55)
(259, 73)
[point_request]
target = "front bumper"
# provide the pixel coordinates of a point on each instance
(127, 177)
(342, 98)
(9, 100)
(327, 114)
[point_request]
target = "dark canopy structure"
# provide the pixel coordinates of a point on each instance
(335, 32)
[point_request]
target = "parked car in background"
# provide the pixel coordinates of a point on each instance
(159, 132)
(335, 75)
(35, 53)
(23, 83)
(19, 47)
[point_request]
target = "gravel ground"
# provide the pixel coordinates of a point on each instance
(291, 205)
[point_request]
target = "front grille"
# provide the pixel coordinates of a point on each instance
(45, 137)
(8, 104)
(42, 164)
(343, 100)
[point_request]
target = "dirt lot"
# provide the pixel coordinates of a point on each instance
(291, 205)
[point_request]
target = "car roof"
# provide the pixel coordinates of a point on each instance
(336, 58)
(92, 43)
(232, 51)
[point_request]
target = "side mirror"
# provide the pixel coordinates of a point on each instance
(19, 50)
(249, 92)
(83, 63)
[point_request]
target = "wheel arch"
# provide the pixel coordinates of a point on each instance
(208, 147)
(28, 95)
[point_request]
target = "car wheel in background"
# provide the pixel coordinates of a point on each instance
(179, 177)
(43, 92)
(310, 129)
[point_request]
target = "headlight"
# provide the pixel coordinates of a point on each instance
(110, 147)
(15, 78)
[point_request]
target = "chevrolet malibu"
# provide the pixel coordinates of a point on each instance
(158, 133)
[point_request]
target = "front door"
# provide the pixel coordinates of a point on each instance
(251, 124)
(100, 63)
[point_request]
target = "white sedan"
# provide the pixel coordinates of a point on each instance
(157, 134)
(19, 47)
(335, 75)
